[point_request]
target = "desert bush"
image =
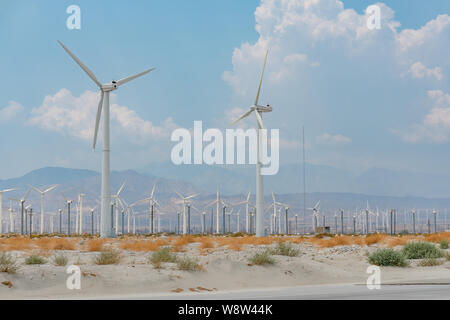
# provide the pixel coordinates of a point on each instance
(188, 264)
(162, 255)
(430, 262)
(443, 244)
(8, 263)
(285, 249)
(387, 257)
(60, 260)
(35, 259)
(262, 258)
(447, 256)
(143, 245)
(107, 257)
(421, 250)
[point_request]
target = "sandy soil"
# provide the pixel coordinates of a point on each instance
(224, 269)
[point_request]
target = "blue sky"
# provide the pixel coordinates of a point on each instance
(376, 100)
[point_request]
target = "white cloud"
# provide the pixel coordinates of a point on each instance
(11, 111)
(418, 70)
(337, 139)
(75, 117)
(435, 127)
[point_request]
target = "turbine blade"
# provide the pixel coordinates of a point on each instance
(248, 197)
(259, 118)
(125, 80)
(182, 198)
(273, 197)
(26, 194)
(50, 189)
(261, 79)
(78, 61)
(8, 190)
(97, 120)
(120, 189)
(35, 189)
(192, 196)
(153, 190)
(245, 115)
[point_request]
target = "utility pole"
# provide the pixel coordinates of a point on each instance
(189, 219)
(31, 221)
(223, 219)
(287, 223)
(92, 222)
(296, 218)
(414, 221)
(342, 221)
(178, 223)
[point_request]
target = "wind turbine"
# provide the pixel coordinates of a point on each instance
(185, 200)
(315, 214)
(258, 110)
(116, 197)
(22, 209)
(11, 218)
(286, 221)
(68, 202)
(42, 202)
(247, 204)
(1, 207)
(106, 230)
(152, 201)
(217, 203)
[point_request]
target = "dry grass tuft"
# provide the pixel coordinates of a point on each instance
(143, 245)
(95, 245)
(206, 243)
(56, 243)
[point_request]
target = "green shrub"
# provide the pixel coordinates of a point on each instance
(162, 255)
(107, 257)
(285, 249)
(188, 264)
(443, 244)
(262, 258)
(8, 263)
(387, 257)
(60, 260)
(430, 262)
(421, 250)
(35, 259)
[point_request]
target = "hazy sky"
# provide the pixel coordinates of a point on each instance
(367, 98)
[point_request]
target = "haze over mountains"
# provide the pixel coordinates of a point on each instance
(335, 188)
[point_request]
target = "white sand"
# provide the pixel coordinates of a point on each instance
(224, 270)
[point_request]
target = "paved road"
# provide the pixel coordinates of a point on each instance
(346, 292)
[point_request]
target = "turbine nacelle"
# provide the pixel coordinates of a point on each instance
(108, 87)
(267, 108)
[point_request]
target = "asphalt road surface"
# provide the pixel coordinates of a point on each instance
(420, 291)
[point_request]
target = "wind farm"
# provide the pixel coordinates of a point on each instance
(173, 189)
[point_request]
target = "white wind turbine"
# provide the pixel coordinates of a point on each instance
(185, 200)
(42, 202)
(22, 210)
(1, 207)
(217, 203)
(106, 230)
(11, 218)
(315, 215)
(247, 204)
(258, 110)
(152, 201)
(116, 197)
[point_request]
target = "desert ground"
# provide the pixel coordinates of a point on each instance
(198, 264)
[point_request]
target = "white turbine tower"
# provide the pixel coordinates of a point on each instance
(106, 230)
(116, 197)
(1, 207)
(42, 202)
(315, 215)
(185, 200)
(258, 110)
(247, 204)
